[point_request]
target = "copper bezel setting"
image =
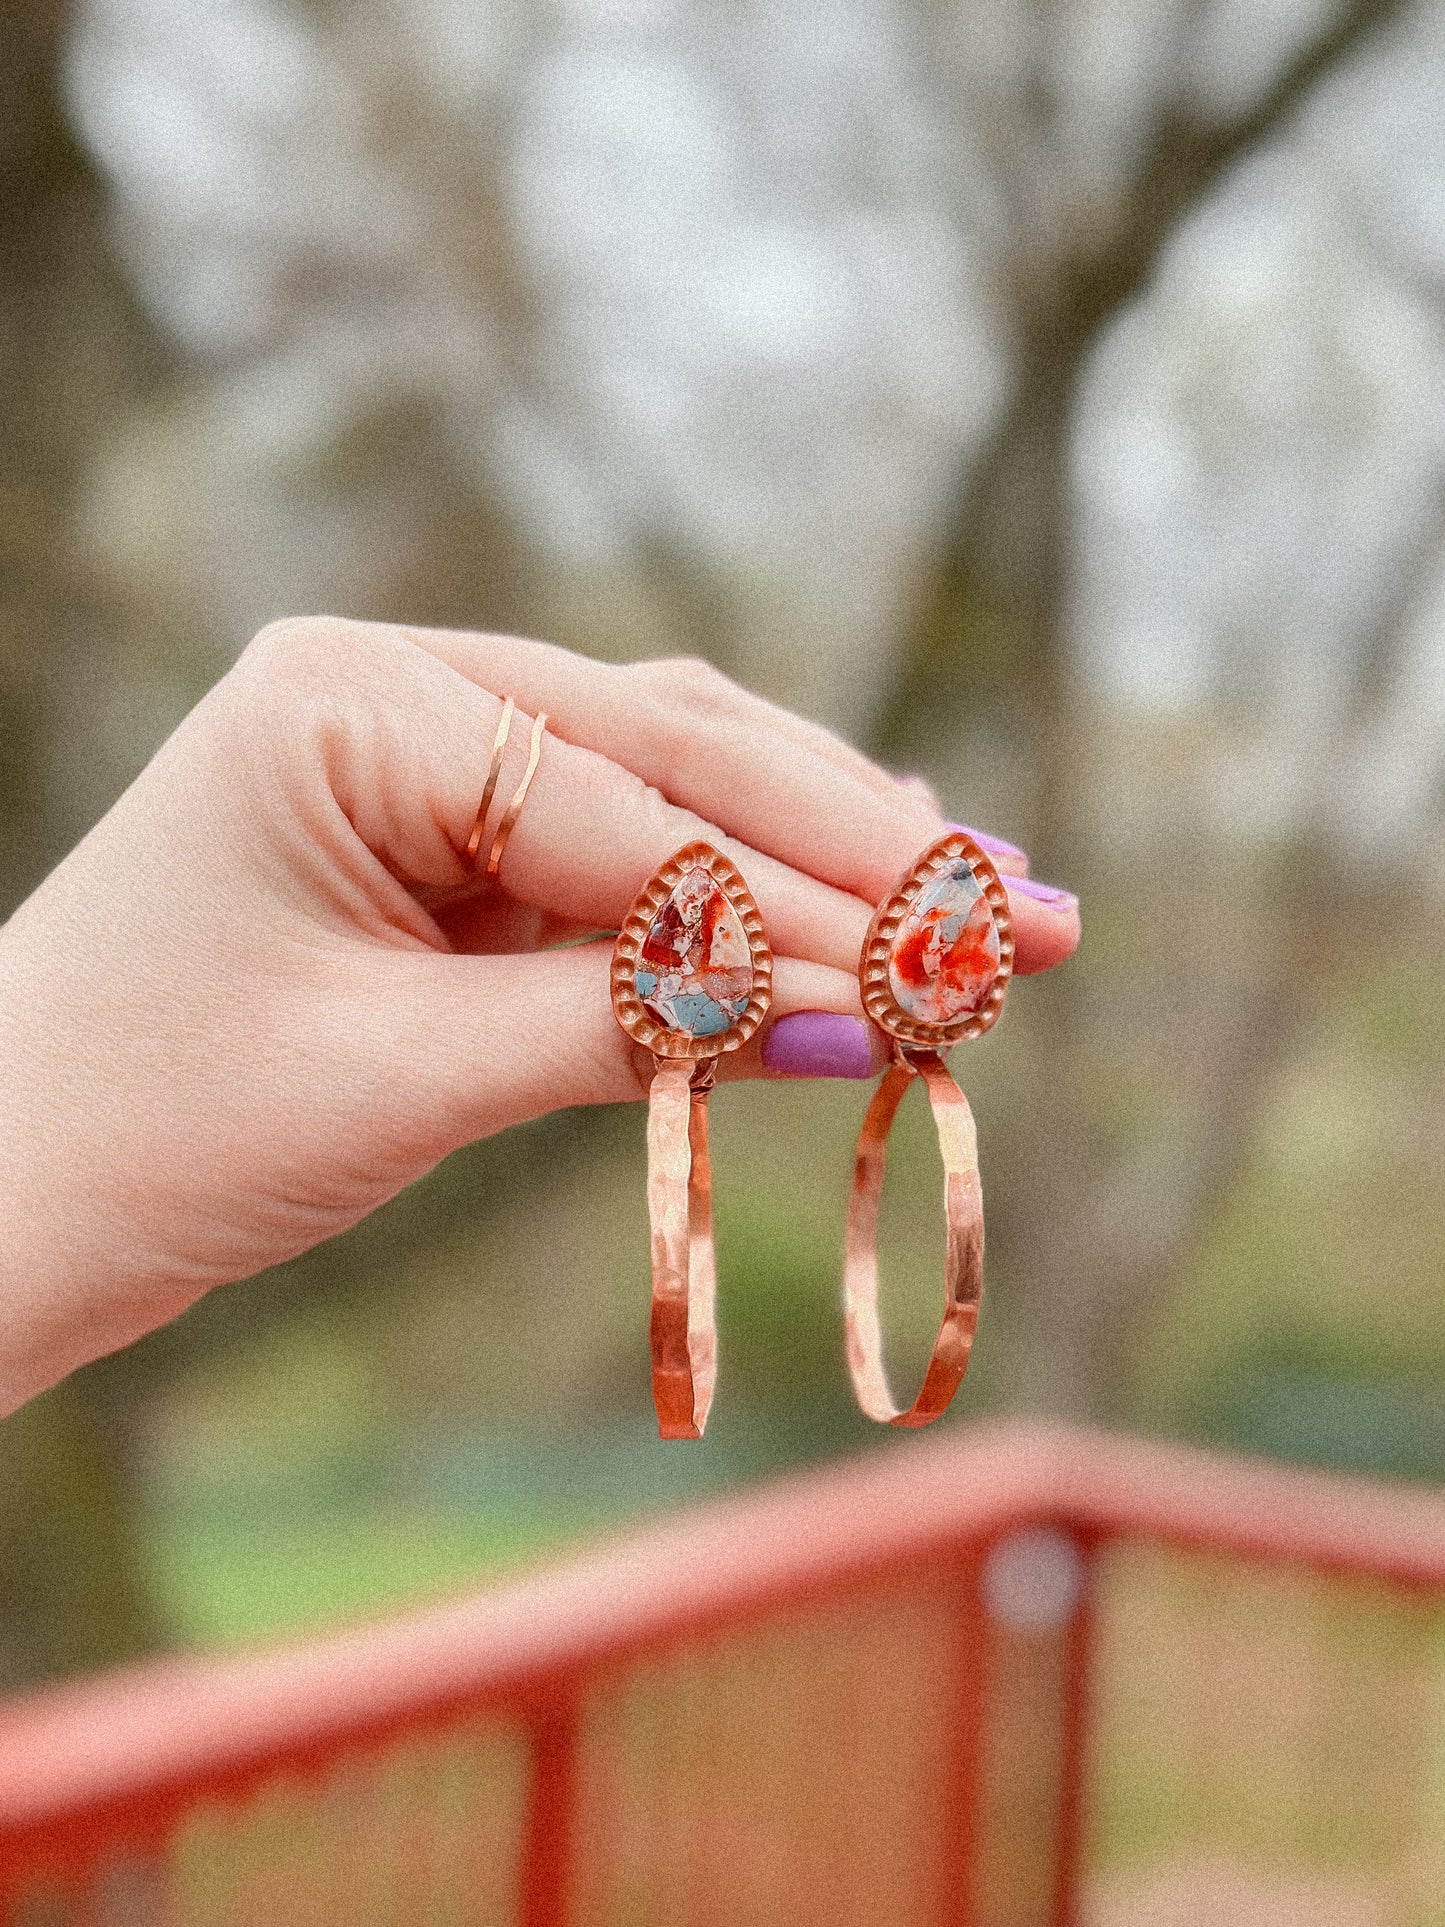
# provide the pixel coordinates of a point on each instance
(878, 999)
(633, 1015)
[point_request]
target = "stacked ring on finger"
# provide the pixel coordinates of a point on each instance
(642, 758)
(519, 796)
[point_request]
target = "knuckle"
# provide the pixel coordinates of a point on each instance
(692, 683)
(658, 823)
(661, 821)
(303, 679)
(302, 649)
(319, 666)
(612, 792)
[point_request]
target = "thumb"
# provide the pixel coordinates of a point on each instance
(474, 1044)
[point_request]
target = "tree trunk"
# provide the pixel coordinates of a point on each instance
(71, 1592)
(1098, 1236)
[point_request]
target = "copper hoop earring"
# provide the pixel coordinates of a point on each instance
(691, 980)
(933, 972)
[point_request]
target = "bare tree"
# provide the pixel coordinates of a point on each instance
(70, 1593)
(1092, 1232)
(408, 268)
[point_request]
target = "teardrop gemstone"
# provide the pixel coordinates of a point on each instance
(695, 969)
(945, 955)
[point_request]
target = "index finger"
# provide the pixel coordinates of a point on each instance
(579, 791)
(767, 779)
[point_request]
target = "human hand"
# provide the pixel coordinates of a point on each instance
(264, 994)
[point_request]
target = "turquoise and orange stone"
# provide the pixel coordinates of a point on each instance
(945, 955)
(695, 969)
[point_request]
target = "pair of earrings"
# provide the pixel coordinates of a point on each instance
(692, 980)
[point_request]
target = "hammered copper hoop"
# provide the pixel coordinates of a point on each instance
(684, 1269)
(963, 1261)
(679, 1173)
(918, 1048)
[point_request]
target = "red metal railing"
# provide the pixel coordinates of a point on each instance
(976, 1679)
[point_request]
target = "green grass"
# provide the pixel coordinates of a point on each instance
(227, 1586)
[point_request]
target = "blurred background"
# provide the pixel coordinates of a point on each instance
(1048, 394)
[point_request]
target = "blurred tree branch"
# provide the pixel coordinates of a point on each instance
(1112, 1228)
(1116, 1223)
(70, 341)
(1005, 541)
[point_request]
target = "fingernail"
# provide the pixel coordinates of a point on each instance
(995, 845)
(818, 1043)
(1042, 893)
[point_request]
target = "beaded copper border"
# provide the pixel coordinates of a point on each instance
(633, 1015)
(878, 999)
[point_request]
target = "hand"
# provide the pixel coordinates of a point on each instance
(264, 994)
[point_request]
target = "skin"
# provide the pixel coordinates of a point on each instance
(264, 993)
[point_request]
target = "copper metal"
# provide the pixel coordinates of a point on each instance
(679, 1171)
(633, 1015)
(514, 808)
(684, 1273)
(878, 998)
(963, 1264)
(499, 744)
(917, 1052)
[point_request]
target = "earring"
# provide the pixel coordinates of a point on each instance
(934, 969)
(692, 979)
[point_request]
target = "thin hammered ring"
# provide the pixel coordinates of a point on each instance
(494, 770)
(514, 808)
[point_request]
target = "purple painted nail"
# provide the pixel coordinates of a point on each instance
(1042, 893)
(818, 1043)
(995, 845)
